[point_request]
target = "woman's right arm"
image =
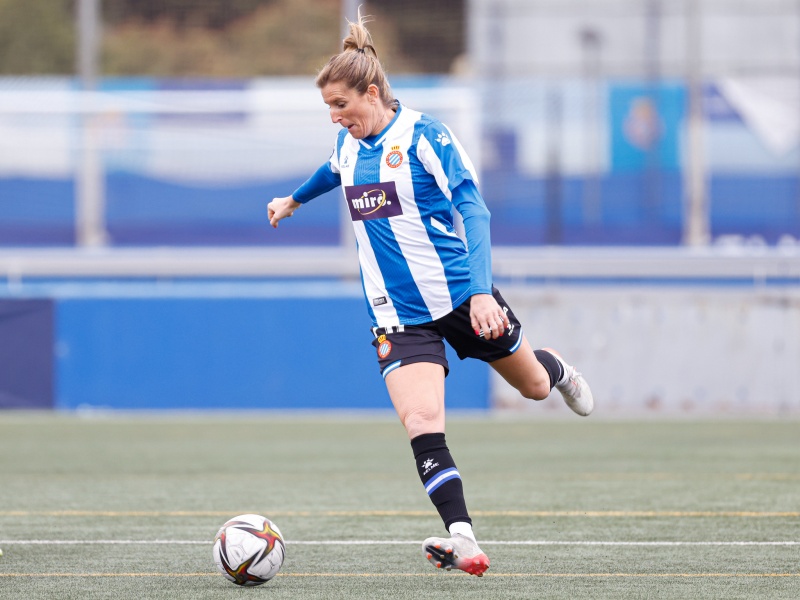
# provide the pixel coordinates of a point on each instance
(280, 208)
(324, 180)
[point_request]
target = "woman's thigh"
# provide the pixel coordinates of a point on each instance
(417, 393)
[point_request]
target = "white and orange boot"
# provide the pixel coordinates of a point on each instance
(458, 552)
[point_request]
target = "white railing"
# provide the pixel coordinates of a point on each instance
(513, 264)
(271, 129)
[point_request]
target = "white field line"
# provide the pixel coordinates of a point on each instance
(409, 513)
(402, 542)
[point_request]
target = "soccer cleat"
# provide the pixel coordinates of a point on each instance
(458, 551)
(573, 388)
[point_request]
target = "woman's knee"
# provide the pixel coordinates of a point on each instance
(535, 388)
(423, 419)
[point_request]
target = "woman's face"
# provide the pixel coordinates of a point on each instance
(361, 114)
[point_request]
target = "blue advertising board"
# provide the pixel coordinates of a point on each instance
(26, 353)
(230, 353)
(645, 125)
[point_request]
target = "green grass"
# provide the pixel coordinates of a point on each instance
(179, 477)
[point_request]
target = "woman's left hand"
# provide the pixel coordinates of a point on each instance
(487, 316)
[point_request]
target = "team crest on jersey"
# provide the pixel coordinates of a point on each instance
(373, 201)
(395, 158)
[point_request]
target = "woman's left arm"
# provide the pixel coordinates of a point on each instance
(485, 314)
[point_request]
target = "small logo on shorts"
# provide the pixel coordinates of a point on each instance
(379, 301)
(384, 347)
(510, 324)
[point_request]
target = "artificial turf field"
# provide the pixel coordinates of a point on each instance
(126, 507)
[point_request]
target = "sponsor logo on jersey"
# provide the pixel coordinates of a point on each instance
(373, 201)
(345, 163)
(379, 301)
(395, 158)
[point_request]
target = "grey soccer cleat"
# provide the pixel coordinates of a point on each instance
(573, 388)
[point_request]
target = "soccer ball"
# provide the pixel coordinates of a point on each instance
(249, 550)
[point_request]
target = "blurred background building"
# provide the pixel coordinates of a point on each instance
(607, 122)
(640, 159)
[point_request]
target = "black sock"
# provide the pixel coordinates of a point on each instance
(441, 479)
(551, 365)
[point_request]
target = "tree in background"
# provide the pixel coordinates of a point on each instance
(429, 36)
(37, 37)
(216, 38)
(206, 14)
(226, 38)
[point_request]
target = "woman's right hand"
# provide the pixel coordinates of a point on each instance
(280, 208)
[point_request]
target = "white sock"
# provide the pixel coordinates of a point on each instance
(464, 529)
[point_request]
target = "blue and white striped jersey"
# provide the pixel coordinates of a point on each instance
(398, 187)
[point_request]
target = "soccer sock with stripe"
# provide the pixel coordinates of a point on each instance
(551, 365)
(441, 479)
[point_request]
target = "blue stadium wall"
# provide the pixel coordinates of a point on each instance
(286, 352)
(638, 209)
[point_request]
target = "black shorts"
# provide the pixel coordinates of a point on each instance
(408, 344)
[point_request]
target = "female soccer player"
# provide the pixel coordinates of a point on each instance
(401, 172)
